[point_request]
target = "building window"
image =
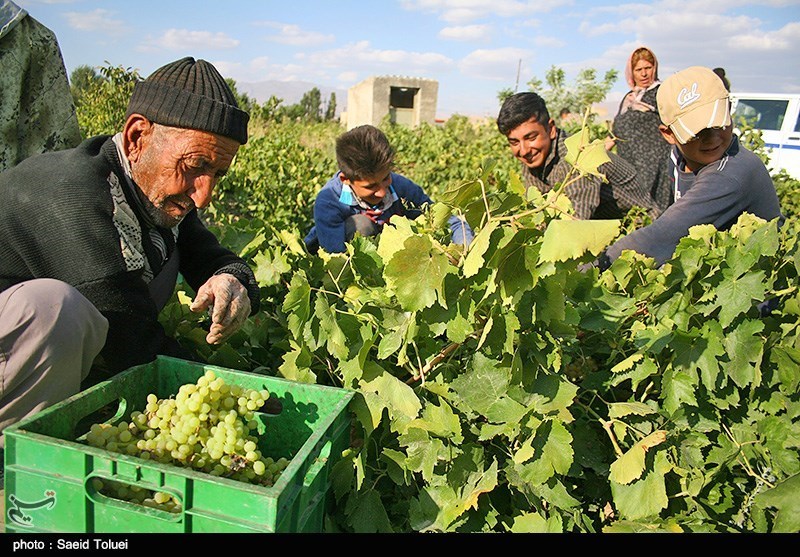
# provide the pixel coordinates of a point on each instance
(402, 97)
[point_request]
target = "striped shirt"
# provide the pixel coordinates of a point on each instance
(590, 196)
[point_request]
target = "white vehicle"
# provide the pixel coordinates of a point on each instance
(778, 118)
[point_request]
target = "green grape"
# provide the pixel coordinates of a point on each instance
(208, 426)
(259, 467)
(161, 497)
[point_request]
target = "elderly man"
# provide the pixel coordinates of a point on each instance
(92, 240)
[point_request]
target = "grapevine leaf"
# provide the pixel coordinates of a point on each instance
(621, 409)
(552, 453)
(785, 497)
(556, 395)
(398, 397)
(460, 326)
(416, 274)
(295, 366)
(292, 241)
(529, 523)
(367, 513)
(505, 410)
(514, 258)
(483, 384)
(586, 156)
(330, 328)
(435, 509)
(550, 303)
(393, 237)
(440, 421)
(569, 239)
(629, 466)
(462, 194)
(735, 295)
(269, 268)
(423, 451)
(700, 351)
(627, 363)
(745, 349)
(678, 388)
(368, 409)
(440, 213)
(297, 303)
(480, 482)
(644, 497)
(342, 477)
(477, 250)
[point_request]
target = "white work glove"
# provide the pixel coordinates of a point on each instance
(229, 303)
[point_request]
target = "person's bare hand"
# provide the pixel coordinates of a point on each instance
(229, 303)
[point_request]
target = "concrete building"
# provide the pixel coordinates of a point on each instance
(408, 101)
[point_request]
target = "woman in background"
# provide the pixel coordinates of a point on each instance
(635, 131)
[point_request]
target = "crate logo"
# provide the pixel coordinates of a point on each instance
(16, 512)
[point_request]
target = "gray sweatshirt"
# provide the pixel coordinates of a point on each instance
(716, 194)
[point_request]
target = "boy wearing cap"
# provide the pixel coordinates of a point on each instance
(715, 179)
(92, 240)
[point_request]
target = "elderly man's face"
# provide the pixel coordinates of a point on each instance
(177, 169)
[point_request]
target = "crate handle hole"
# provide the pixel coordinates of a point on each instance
(110, 413)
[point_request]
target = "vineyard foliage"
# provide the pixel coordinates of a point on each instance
(511, 387)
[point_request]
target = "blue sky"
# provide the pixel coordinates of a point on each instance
(473, 48)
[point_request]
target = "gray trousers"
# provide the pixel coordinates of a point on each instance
(361, 224)
(49, 336)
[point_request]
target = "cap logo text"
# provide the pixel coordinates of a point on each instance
(688, 96)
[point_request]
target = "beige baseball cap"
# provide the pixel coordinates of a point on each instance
(692, 100)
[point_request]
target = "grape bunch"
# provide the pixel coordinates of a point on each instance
(208, 426)
(577, 369)
(160, 500)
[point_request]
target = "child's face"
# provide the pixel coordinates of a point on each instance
(707, 147)
(530, 142)
(372, 188)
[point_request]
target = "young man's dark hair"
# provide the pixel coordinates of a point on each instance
(363, 152)
(519, 108)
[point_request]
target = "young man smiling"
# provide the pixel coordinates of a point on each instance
(715, 179)
(538, 144)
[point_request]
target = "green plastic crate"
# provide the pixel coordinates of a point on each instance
(49, 471)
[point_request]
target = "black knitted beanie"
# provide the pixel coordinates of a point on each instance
(192, 94)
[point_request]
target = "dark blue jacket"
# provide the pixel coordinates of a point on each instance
(335, 203)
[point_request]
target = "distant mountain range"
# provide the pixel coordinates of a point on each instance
(291, 92)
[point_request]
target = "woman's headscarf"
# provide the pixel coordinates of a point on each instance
(634, 98)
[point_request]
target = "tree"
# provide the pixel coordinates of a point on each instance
(103, 103)
(577, 98)
(81, 80)
(245, 102)
(503, 94)
(311, 105)
(330, 111)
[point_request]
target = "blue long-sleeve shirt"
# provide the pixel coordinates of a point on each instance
(336, 202)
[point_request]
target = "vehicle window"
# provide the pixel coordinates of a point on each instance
(797, 124)
(761, 114)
